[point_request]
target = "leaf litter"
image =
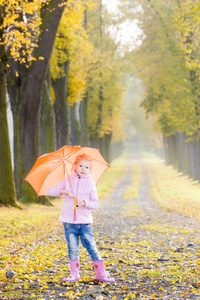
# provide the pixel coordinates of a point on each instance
(152, 253)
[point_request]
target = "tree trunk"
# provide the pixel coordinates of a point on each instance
(96, 140)
(191, 164)
(47, 132)
(106, 153)
(7, 186)
(170, 150)
(61, 108)
(166, 149)
(76, 133)
(181, 151)
(173, 154)
(185, 155)
(197, 159)
(83, 121)
(28, 102)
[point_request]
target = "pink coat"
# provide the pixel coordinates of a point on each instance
(83, 188)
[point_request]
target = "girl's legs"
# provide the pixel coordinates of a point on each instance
(72, 237)
(87, 239)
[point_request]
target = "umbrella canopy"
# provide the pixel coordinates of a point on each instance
(52, 168)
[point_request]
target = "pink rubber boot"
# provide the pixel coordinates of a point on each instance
(100, 273)
(74, 267)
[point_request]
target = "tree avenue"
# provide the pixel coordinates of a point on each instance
(167, 62)
(60, 79)
(66, 77)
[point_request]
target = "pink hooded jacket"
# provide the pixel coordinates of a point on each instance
(83, 188)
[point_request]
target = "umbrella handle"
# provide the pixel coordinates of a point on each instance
(75, 215)
(75, 201)
(75, 208)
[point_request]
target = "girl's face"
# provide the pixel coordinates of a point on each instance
(83, 167)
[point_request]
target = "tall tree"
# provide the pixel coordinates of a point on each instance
(104, 83)
(71, 58)
(26, 90)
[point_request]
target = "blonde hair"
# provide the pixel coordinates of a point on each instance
(82, 157)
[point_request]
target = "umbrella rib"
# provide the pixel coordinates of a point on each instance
(91, 157)
(55, 167)
(104, 163)
(73, 152)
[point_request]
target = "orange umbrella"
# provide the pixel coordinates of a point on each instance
(52, 168)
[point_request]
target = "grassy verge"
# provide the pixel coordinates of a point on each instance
(111, 177)
(170, 189)
(132, 191)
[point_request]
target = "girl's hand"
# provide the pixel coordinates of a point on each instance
(64, 192)
(81, 203)
(70, 194)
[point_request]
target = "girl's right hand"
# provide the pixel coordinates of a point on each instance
(64, 192)
(70, 194)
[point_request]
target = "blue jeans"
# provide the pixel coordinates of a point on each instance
(84, 231)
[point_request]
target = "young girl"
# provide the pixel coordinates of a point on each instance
(81, 186)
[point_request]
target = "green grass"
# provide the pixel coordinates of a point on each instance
(132, 191)
(111, 177)
(170, 189)
(166, 228)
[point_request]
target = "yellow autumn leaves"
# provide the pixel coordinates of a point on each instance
(150, 254)
(72, 45)
(20, 35)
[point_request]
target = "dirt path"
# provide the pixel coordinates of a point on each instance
(155, 252)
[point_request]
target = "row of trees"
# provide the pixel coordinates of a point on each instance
(168, 63)
(63, 76)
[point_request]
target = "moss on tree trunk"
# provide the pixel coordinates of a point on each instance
(7, 186)
(47, 132)
(61, 108)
